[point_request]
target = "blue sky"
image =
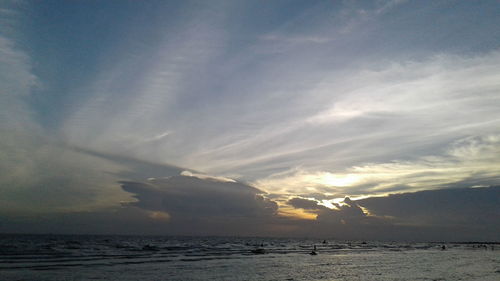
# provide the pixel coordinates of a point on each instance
(312, 100)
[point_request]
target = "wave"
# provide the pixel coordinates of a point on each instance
(44, 252)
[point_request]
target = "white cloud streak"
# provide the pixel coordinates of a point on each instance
(197, 101)
(288, 112)
(38, 173)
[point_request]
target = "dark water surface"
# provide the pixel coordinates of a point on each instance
(85, 257)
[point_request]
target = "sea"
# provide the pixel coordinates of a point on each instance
(87, 257)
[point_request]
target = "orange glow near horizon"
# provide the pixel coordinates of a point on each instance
(291, 212)
(158, 215)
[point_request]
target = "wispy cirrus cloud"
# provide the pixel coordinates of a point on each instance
(332, 111)
(39, 173)
(392, 108)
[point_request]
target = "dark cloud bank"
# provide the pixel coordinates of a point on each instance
(195, 206)
(190, 196)
(452, 214)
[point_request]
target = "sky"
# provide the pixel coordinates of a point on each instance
(342, 119)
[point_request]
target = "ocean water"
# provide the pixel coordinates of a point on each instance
(52, 257)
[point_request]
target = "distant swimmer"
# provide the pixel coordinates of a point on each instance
(313, 252)
(149, 247)
(324, 242)
(443, 247)
(259, 251)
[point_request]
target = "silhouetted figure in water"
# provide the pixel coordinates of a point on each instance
(258, 251)
(443, 247)
(313, 252)
(324, 242)
(149, 247)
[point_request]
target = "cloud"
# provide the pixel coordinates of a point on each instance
(145, 86)
(17, 81)
(317, 101)
(40, 174)
(304, 204)
(465, 207)
(193, 206)
(459, 214)
(391, 106)
(206, 177)
(466, 162)
(202, 96)
(191, 196)
(346, 211)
